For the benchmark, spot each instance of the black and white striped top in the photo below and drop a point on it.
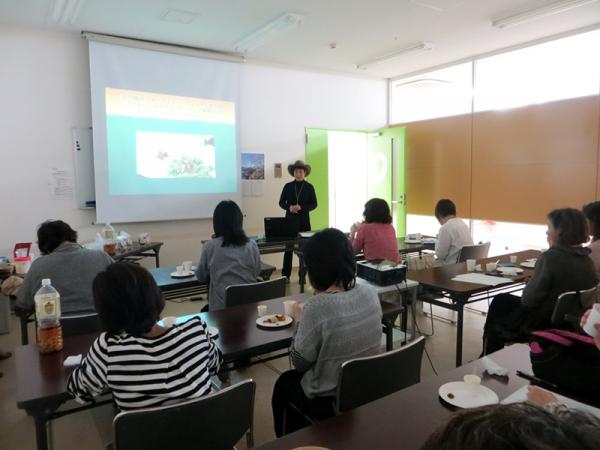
(149, 371)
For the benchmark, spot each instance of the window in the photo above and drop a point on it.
(440, 93)
(556, 70)
(507, 237)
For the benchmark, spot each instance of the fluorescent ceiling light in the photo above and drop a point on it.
(549, 9)
(269, 32)
(389, 56)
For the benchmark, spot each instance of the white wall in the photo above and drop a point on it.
(44, 92)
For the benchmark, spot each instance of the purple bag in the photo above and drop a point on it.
(568, 359)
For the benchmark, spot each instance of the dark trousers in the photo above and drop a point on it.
(288, 390)
(286, 271)
(503, 324)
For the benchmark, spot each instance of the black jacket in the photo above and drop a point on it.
(558, 270)
(300, 193)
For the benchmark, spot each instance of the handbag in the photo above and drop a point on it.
(568, 359)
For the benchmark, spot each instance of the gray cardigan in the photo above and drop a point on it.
(224, 266)
(334, 329)
(71, 269)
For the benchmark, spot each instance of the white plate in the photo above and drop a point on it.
(284, 323)
(412, 241)
(213, 331)
(529, 264)
(467, 395)
(183, 274)
(510, 271)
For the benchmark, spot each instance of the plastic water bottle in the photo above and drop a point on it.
(47, 314)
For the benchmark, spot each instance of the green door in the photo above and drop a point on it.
(318, 159)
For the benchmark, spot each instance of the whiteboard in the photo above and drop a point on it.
(84, 167)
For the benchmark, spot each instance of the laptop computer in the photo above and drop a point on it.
(277, 228)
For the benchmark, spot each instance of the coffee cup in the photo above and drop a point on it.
(179, 270)
(169, 321)
(288, 307)
(471, 265)
(513, 259)
(261, 310)
(593, 319)
(490, 267)
(187, 266)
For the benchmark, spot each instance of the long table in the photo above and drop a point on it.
(138, 251)
(406, 418)
(42, 379)
(460, 293)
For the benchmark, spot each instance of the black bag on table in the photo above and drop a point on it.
(568, 359)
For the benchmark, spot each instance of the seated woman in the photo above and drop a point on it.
(375, 237)
(71, 268)
(516, 426)
(230, 257)
(341, 322)
(453, 235)
(591, 211)
(142, 363)
(564, 267)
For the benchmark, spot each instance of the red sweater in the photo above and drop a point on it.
(376, 241)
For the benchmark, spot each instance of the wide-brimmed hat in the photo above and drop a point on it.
(299, 164)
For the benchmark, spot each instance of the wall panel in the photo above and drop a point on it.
(438, 164)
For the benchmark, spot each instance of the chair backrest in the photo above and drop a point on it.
(242, 294)
(474, 252)
(73, 325)
(217, 421)
(363, 380)
(570, 306)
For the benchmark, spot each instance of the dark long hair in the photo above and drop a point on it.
(592, 213)
(330, 260)
(228, 223)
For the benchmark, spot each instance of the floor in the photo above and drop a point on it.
(91, 429)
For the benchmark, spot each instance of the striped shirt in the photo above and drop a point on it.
(149, 371)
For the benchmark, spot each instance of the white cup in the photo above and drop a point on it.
(471, 265)
(179, 270)
(169, 321)
(187, 266)
(513, 259)
(288, 307)
(262, 310)
(593, 319)
(490, 267)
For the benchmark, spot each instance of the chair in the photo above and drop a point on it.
(242, 294)
(474, 252)
(570, 306)
(217, 421)
(363, 380)
(74, 325)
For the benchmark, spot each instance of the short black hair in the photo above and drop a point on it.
(444, 208)
(127, 299)
(570, 225)
(52, 233)
(592, 213)
(228, 223)
(329, 260)
(377, 210)
(515, 426)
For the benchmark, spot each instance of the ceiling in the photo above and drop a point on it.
(361, 30)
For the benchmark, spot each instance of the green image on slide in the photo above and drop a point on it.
(148, 156)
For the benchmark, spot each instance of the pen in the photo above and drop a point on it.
(536, 380)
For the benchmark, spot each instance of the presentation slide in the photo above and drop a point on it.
(165, 133)
(167, 144)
